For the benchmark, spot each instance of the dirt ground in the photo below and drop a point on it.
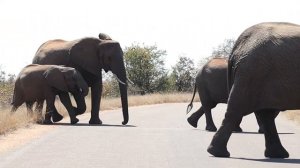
(22, 136)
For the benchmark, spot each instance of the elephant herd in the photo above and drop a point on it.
(261, 75)
(60, 67)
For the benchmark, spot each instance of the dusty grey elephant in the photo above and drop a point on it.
(263, 76)
(37, 83)
(89, 56)
(211, 83)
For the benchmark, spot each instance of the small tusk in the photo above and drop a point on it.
(130, 81)
(119, 80)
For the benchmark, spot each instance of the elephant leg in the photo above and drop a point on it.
(210, 125)
(274, 148)
(218, 145)
(49, 109)
(29, 108)
(81, 105)
(66, 101)
(38, 109)
(237, 127)
(56, 117)
(259, 123)
(96, 90)
(193, 119)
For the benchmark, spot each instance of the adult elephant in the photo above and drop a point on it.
(211, 83)
(263, 75)
(89, 56)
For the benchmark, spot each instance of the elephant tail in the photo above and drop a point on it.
(190, 106)
(230, 74)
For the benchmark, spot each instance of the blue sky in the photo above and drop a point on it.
(181, 27)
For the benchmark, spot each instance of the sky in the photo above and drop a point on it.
(189, 28)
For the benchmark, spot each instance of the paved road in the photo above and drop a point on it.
(157, 136)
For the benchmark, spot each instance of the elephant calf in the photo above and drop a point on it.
(211, 83)
(37, 83)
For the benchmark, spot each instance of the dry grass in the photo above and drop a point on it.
(10, 122)
(293, 115)
(108, 104)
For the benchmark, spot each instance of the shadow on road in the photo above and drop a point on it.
(92, 125)
(291, 161)
(280, 133)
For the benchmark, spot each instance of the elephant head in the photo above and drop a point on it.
(102, 54)
(66, 79)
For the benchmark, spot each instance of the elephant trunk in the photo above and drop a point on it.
(121, 77)
(83, 86)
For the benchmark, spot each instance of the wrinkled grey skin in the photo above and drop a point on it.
(211, 83)
(263, 76)
(89, 56)
(36, 83)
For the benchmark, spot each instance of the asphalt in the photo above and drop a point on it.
(157, 136)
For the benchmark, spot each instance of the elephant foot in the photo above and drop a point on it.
(56, 117)
(237, 129)
(78, 111)
(193, 122)
(74, 121)
(95, 121)
(47, 122)
(261, 131)
(276, 152)
(218, 151)
(211, 128)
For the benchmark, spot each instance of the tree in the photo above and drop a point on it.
(2, 76)
(224, 49)
(145, 67)
(11, 78)
(183, 74)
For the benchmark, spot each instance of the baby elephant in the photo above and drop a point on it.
(37, 83)
(211, 83)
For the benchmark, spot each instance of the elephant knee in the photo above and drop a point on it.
(80, 109)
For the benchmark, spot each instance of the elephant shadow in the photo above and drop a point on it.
(271, 160)
(245, 132)
(93, 125)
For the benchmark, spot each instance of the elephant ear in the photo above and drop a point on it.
(104, 36)
(109, 51)
(55, 78)
(84, 54)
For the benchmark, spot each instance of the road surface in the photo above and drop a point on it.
(157, 136)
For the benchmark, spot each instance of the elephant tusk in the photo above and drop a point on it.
(130, 81)
(119, 80)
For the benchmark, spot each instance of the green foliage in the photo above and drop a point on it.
(110, 86)
(145, 67)
(183, 74)
(223, 50)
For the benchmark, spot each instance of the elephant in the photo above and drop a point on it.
(263, 76)
(211, 83)
(89, 56)
(36, 83)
